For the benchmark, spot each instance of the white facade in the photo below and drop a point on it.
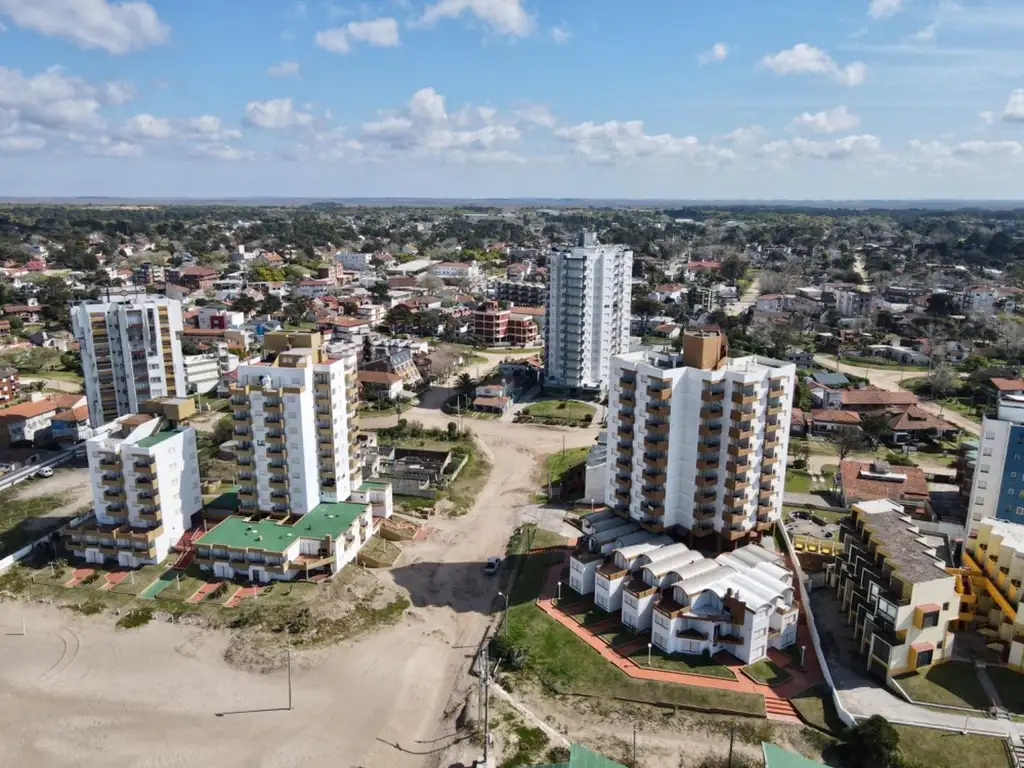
(698, 440)
(998, 548)
(131, 353)
(145, 491)
(204, 372)
(588, 311)
(356, 262)
(741, 602)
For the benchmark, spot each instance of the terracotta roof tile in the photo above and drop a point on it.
(858, 488)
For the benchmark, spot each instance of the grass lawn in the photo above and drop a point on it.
(558, 658)
(593, 615)
(798, 482)
(766, 672)
(557, 464)
(682, 662)
(140, 578)
(815, 707)
(15, 530)
(1010, 687)
(954, 684)
(62, 375)
(942, 749)
(560, 409)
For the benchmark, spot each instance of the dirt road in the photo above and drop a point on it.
(61, 385)
(891, 380)
(78, 692)
(746, 301)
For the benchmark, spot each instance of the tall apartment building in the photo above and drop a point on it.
(131, 353)
(991, 588)
(698, 440)
(304, 508)
(295, 431)
(518, 293)
(998, 486)
(895, 590)
(145, 487)
(588, 311)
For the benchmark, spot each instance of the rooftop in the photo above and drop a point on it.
(154, 440)
(862, 480)
(855, 397)
(904, 546)
(273, 536)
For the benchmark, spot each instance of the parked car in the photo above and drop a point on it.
(492, 565)
(45, 472)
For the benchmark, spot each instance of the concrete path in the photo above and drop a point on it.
(746, 301)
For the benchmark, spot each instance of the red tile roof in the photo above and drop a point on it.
(826, 416)
(35, 408)
(878, 397)
(378, 377)
(1008, 385)
(858, 488)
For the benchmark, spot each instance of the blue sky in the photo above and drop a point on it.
(736, 99)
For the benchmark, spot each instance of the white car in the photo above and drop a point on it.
(45, 472)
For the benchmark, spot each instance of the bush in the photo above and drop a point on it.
(92, 578)
(90, 608)
(140, 617)
(557, 755)
(220, 591)
(513, 655)
(899, 459)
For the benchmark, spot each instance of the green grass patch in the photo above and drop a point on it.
(766, 672)
(815, 707)
(528, 748)
(943, 749)
(21, 520)
(1009, 685)
(953, 684)
(592, 615)
(693, 664)
(557, 464)
(139, 617)
(560, 409)
(798, 482)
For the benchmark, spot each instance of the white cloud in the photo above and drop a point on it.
(987, 117)
(837, 149)
(120, 92)
(50, 99)
(884, 9)
(22, 143)
(538, 115)
(1013, 112)
(986, 148)
(425, 127)
(115, 27)
(275, 114)
(717, 52)
(207, 125)
(107, 147)
(380, 33)
(560, 35)
(505, 17)
(146, 126)
(223, 152)
(614, 141)
(803, 59)
(829, 121)
(284, 69)
(927, 34)
(744, 135)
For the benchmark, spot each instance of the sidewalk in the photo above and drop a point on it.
(777, 706)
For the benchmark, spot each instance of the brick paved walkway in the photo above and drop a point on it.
(777, 706)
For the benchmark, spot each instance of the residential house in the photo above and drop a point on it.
(894, 589)
(670, 293)
(801, 358)
(828, 421)
(865, 480)
(30, 421)
(10, 383)
(194, 278)
(29, 313)
(666, 331)
(913, 424)
(71, 425)
(455, 271)
(218, 316)
(379, 385)
(5, 331)
(516, 293)
(355, 262)
(874, 400)
(313, 288)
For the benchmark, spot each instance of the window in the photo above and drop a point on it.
(982, 485)
(924, 658)
(1020, 510)
(978, 502)
(945, 606)
(760, 633)
(990, 435)
(986, 452)
(931, 619)
(939, 646)
(984, 468)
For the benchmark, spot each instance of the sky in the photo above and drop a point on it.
(680, 99)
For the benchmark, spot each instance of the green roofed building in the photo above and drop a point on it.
(318, 543)
(777, 757)
(581, 757)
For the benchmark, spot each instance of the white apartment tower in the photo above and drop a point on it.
(997, 489)
(145, 487)
(588, 311)
(295, 430)
(131, 353)
(698, 440)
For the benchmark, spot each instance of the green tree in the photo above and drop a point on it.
(872, 743)
(270, 305)
(875, 427)
(245, 303)
(466, 383)
(645, 308)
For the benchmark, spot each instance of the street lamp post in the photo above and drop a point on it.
(649, 647)
(559, 591)
(504, 618)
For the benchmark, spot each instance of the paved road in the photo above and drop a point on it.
(891, 379)
(746, 301)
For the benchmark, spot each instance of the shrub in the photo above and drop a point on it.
(220, 591)
(92, 578)
(140, 617)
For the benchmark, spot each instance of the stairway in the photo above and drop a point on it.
(186, 546)
(780, 710)
(184, 560)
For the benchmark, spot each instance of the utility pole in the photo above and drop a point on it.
(634, 745)
(288, 651)
(487, 708)
(732, 736)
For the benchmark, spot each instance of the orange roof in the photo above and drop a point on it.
(78, 413)
(835, 417)
(857, 488)
(877, 397)
(378, 377)
(1008, 385)
(35, 408)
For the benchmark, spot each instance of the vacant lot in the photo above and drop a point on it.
(556, 465)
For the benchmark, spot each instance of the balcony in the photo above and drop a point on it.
(773, 410)
(736, 450)
(704, 513)
(625, 450)
(768, 461)
(706, 481)
(703, 464)
(659, 462)
(624, 465)
(625, 433)
(655, 478)
(708, 413)
(734, 502)
(712, 395)
(660, 411)
(659, 393)
(741, 433)
(115, 481)
(659, 444)
(142, 466)
(244, 450)
(735, 485)
(704, 497)
(709, 430)
(734, 534)
(110, 463)
(627, 398)
(744, 398)
(622, 497)
(276, 449)
(765, 493)
(739, 466)
(273, 410)
(702, 529)
(767, 477)
(657, 429)
(653, 495)
(627, 385)
(735, 518)
(626, 419)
